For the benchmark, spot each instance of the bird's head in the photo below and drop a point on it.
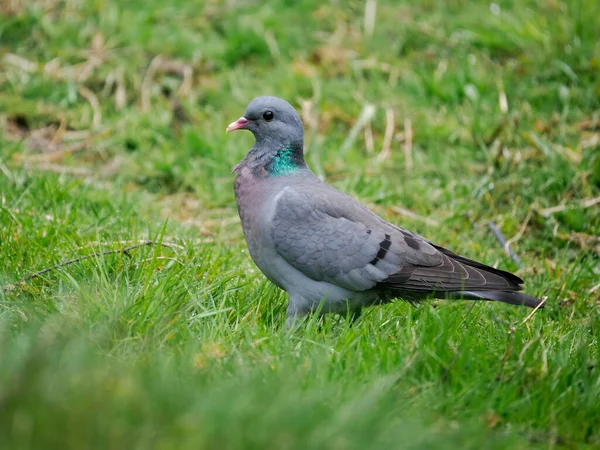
(273, 121)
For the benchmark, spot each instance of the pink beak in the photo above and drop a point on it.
(239, 124)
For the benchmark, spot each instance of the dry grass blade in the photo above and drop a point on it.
(370, 17)
(519, 234)
(585, 241)
(586, 203)
(310, 120)
(127, 242)
(94, 103)
(366, 115)
(146, 89)
(56, 151)
(124, 251)
(369, 144)
(20, 62)
(412, 215)
(568, 153)
(390, 122)
(532, 313)
(120, 91)
(160, 64)
(272, 44)
(58, 168)
(503, 101)
(408, 143)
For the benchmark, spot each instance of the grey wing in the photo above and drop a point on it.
(331, 237)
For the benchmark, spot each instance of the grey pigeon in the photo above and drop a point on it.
(329, 252)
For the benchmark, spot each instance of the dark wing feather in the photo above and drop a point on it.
(452, 275)
(469, 262)
(458, 277)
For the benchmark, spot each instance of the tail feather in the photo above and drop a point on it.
(510, 297)
(457, 277)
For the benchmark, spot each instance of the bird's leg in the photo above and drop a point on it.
(295, 314)
(355, 315)
(352, 315)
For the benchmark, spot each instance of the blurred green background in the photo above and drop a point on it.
(112, 119)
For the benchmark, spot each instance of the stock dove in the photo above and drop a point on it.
(329, 252)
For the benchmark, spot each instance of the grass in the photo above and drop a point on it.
(112, 123)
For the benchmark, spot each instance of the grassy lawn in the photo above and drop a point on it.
(112, 119)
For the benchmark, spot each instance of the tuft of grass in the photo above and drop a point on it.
(112, 118)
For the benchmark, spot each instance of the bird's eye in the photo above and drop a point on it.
(268, 115)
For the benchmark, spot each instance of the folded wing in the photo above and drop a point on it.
(331, 237)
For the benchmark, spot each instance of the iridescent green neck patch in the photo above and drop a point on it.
(284, 163)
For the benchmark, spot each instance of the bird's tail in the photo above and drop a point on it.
(511, 297)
